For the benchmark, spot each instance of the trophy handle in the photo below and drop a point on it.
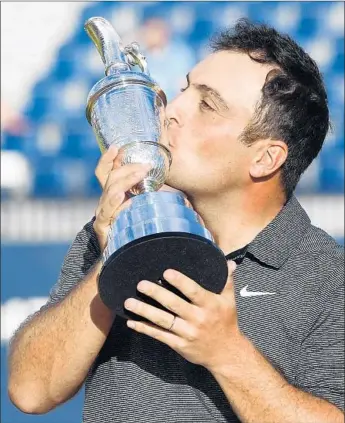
(108, 44)
(135, 57)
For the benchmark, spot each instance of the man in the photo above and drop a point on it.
(269, 348)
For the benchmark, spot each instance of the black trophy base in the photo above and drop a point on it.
(148, 257)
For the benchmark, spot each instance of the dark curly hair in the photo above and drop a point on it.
(293, 105)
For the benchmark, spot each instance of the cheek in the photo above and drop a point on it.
(223, 155)
(220, 138)
(214, 140)
(208, 141)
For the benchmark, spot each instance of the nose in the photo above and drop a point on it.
(172, 113)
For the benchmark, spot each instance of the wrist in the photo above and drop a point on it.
(101, 234)
(234, 361)
(97, 305)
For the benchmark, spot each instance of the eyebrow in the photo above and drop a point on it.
(209, 90)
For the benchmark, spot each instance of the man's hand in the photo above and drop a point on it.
(115, 181)
(206, 332)
(203, 332)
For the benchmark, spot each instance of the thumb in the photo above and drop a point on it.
(229, 286)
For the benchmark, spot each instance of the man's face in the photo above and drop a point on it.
(206, 120)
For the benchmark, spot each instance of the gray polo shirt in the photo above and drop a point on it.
(299, 328)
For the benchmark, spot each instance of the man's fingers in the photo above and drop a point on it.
(123, 173)
(191, 289)
(167, 299)
(117, 163)
(119, 181)
(114, 194)
(126, 176)
(106, 164)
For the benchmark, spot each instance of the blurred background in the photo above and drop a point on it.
(48, 151)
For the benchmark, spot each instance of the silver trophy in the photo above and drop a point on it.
(159, 230)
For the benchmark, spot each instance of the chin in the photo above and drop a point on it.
(177, 185)
(177, 179)
(170, 182)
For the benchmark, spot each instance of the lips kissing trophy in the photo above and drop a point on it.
(159, 230)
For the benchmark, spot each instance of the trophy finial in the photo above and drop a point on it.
(108, 44)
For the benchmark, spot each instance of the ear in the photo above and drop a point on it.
(271, 154)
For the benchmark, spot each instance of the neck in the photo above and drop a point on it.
(234, 219)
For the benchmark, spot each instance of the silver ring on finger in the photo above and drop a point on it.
(172, 323)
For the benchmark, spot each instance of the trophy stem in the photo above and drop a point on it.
(147, 185)
(154, 153)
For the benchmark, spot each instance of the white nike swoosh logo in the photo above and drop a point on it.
(245, 293)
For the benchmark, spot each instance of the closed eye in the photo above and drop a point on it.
(205, 106)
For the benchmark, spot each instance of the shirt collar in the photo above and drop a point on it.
(238, 255)
(275, 243)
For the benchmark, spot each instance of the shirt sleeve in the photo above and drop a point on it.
(321, 365)
(81, 256)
